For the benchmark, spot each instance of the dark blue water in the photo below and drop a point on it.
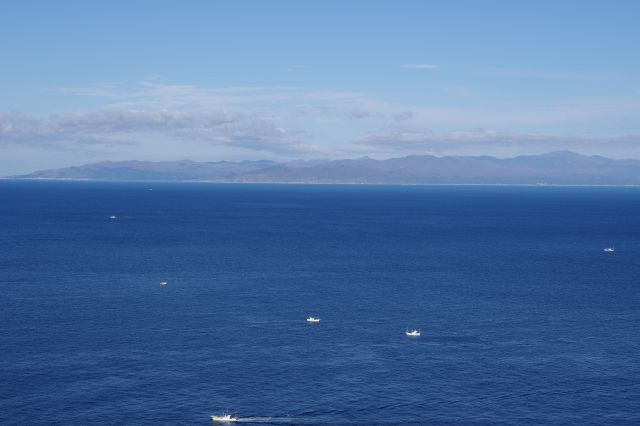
(525, 320)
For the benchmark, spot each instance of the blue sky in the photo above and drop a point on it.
(85, 81)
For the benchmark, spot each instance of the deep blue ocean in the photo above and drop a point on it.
(524, 318)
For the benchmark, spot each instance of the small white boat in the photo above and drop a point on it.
(225, 418)
(412, 333)
(163, 283)
(609, 249)
(112, 216)
(313, 320)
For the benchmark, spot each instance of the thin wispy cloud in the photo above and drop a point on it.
(277, 102)
(299, 122)
(523, 73)
(543, 74)
(420, 66)
(404, 115)
(115, 127)
(154, 94)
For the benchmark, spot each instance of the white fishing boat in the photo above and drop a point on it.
(163, 283)
(313, 320)
(225, 418)
(609, 249)
(412, 333)
(112, 216)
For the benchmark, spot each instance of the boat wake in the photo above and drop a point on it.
(269, 420)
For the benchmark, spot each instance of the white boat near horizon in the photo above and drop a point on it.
(225, 418)
(609, 249)
(113, 216)
(313, 320)
(413, 333)
(163, 283)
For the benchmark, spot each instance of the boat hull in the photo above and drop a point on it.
(223, 419)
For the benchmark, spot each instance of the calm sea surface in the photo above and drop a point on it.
(524, 318)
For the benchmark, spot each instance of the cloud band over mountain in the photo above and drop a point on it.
(114, 127)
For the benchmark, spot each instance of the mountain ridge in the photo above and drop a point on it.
(558, 167)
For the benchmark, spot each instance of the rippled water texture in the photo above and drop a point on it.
(524, 318)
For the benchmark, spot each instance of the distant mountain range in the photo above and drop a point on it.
(559, 168)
